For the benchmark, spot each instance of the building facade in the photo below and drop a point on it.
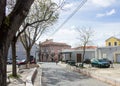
(77, 53)
(110, 52)
(49, 50)
(21, 53)
(112, 41)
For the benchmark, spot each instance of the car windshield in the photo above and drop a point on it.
(101, 60)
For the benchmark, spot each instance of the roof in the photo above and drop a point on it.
(50, 42)
(112, 37)
(87, 47)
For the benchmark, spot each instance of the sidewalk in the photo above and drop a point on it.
(21, 81)
(37, 81)
(108, 75)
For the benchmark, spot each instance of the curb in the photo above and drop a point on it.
(31, 77)
(108, 80)
(40, 74)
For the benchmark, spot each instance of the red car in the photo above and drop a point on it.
(20, 62)
(23, 61)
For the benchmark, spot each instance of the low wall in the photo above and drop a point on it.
(31, 77)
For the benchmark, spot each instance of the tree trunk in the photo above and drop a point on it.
(8, 27)
(4, 46)
(14, 69)
(28, 58)
(2, 10)
(3, 68)
(83, 55)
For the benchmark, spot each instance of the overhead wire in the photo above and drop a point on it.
(80, 5)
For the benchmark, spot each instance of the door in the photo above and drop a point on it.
(79, 58)
(118, 58)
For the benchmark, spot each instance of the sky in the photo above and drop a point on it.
(100, 15)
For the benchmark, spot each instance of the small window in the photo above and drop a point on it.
(109, 43)
(104, 55)
(115, 43)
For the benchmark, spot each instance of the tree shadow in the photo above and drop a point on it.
(16, 81)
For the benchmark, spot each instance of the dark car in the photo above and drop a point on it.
(32, 59)
(99, 63)
(87, 61)
(108, 60)
(71, 62)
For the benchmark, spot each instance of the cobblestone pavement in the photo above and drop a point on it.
(113, 72)
(55, 75)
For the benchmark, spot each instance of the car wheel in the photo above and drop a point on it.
(92, 65)
(108, 66)
(100, 66)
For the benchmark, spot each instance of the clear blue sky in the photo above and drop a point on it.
(103, 16)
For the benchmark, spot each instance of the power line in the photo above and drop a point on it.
(80, 5)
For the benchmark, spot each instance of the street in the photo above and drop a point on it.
(55, 75)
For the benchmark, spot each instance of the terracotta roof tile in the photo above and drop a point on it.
(50, 42)
(87, 47)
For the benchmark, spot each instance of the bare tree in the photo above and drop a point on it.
(48, 12)
(9, 25)
(38, 14)
(85, 35)
(35, 18)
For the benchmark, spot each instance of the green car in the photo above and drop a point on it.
(100, 63)
(71, 62)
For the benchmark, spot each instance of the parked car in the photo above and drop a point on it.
(71, 62)
(99, 63)
(67, 61)
(9, 60)
(21, 62)
(32, 59)
(87, 61)
(108, 60)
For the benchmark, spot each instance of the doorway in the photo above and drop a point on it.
(79, 58)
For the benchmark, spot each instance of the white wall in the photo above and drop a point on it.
(20, 51)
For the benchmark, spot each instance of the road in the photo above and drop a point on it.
(55, 75)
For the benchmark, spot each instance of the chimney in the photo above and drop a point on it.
(49, 40)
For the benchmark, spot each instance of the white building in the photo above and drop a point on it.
(76, 55)
(112, 53)
(21, 53)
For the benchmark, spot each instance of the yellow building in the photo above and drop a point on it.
(112, 41)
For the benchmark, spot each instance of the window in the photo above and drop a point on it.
(115, 43)
(109, 44)
(104, 55)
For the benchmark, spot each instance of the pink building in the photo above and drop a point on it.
(49, 50)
